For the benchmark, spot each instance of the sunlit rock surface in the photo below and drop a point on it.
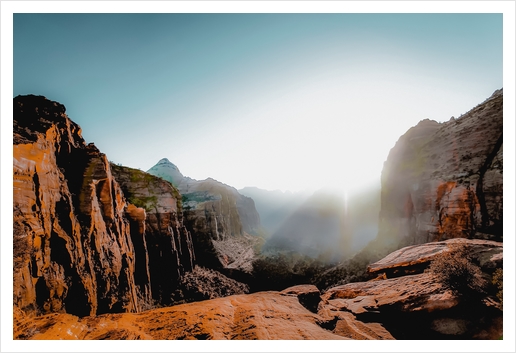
(415, 259)
(414, 306)
(443, 181)
(264, 315)
(91, 237)
(72, 246)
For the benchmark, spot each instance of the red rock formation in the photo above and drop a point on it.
(443, 181)
(416, 258)
(73, 251)
(264, 315)
(91, 237)
(415, 306)
(225, 223)
(162, 242)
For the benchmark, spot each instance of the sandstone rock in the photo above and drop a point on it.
(203, 283)
(443, 181)
(165, 243)
(72, 250)
(225, 223)
(415, 259)
(309, 295)
(418, 306)
(263, 315)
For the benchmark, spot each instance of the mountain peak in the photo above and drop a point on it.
(164, 161)
(167, 170)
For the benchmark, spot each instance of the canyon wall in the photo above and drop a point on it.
(159, 234)
(225, 223)
(445, 180)
(92, 237)
(72, 246)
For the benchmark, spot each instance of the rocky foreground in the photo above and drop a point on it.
(403, 302)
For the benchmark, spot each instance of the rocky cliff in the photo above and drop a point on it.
(412, 304)
(445, 180)
(91, 237)
(158, 232)
(73, 249)
(225, 223)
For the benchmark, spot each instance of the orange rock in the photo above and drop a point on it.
(445, 180)
(264, 315)
(72, 248)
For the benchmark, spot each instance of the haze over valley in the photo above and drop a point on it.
(259, 176)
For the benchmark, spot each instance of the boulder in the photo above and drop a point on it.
(308, 295)
(415, 259)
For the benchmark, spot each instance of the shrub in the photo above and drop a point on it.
(455, 271)
(498, 282)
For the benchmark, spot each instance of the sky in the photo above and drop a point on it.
(276, 101)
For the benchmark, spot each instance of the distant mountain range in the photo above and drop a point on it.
(226, 222)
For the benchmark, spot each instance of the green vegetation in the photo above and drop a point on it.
(498, 282)
(197, 197)
(282, 270)
(148, 203)
(455, 271)
(145, 180)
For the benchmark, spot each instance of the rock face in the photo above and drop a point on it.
(414, 304)
(443, 181)
(91, 237)
(72, 245)
(224, 222)
(163, 241)
(409, 306)
(264, 315)
(415, 259)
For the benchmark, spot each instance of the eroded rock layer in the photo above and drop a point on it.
(164, 243)
(443, 181)
(72, 246)
(225, 223)
(410, 306)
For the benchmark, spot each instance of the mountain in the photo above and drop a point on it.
(225, 223)
(91, 237)
(445, 180)
(157, 219)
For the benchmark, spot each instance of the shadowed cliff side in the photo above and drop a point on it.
(72, 246)
(167, 246)
(440, 181)
(225, 223)
(91, 237)
(443, 181)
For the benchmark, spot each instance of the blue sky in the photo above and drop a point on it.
(278, 101)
